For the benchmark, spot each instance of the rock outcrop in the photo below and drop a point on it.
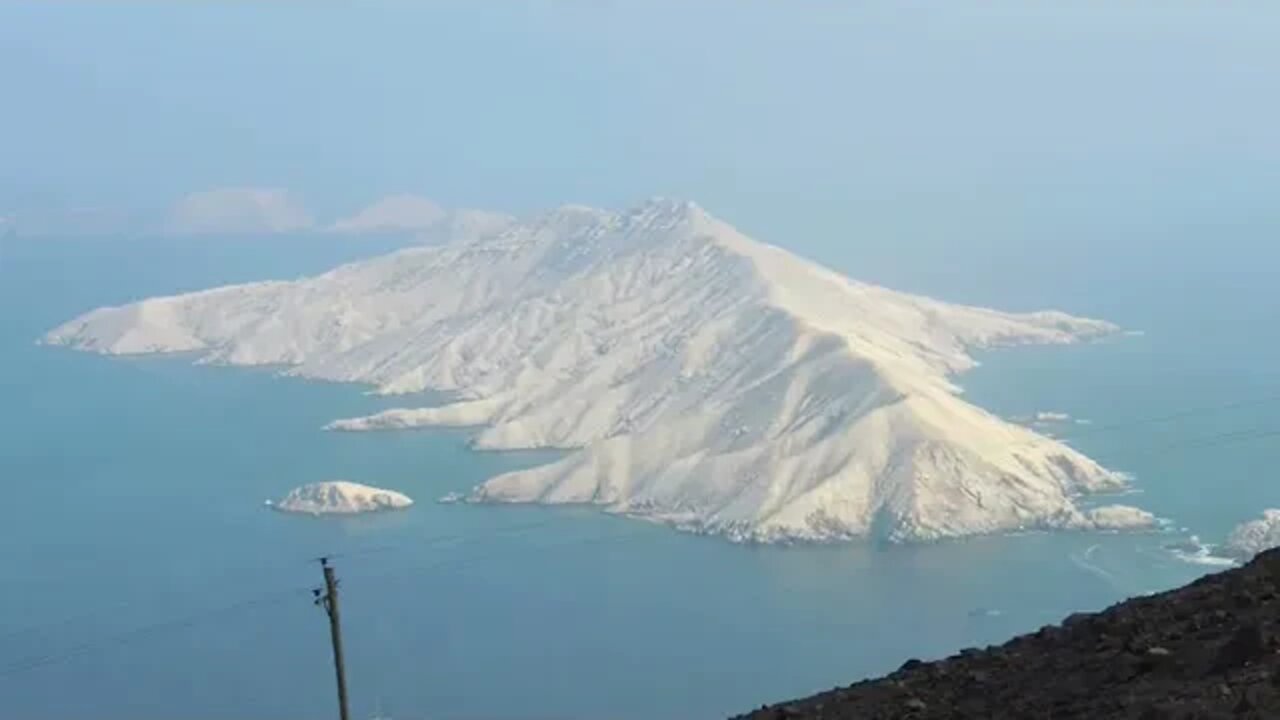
(338, 497)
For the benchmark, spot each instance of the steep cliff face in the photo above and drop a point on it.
(1208, 650)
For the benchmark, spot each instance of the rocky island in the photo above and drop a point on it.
(338, 497)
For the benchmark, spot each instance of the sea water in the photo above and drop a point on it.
(142, 577)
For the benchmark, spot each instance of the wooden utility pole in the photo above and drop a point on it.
(329, 601)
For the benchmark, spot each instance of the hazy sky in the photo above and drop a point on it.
(856, 131)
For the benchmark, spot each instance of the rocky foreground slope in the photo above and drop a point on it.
(1208, 650)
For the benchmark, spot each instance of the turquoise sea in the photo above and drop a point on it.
(141, 577)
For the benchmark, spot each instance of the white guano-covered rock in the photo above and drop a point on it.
(700, 378)
(1121, 517)
(339, 497)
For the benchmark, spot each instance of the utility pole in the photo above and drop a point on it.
(329, 601)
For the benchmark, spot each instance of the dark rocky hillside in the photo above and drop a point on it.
(1208, 650)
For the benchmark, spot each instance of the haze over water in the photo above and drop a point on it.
(138, 484)
(1118, 163)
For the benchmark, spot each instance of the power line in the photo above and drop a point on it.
(329, 596)
(146, 631)
(1092, 430)
(277, 597)
(1171, 417)
(435, 540)
(430, 542)
(594, 539)
(1194, 442)
(60, 623)
(1228, 438)
(1199, 442)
